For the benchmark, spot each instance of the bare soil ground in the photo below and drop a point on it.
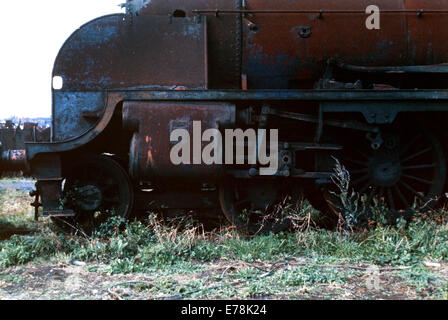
(66, 281)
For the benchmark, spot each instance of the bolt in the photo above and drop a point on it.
(253, 27)
(253, 172)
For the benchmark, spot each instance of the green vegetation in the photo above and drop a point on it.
(135, 246)
(182, 260)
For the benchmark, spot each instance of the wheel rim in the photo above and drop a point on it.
(256, 206)
(97, 188)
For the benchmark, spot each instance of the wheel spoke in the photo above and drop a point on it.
(371, 194)
(417, 179)
(361, 163)
(391, 199)
(363, 189)
(409, 144)
(363, 154)
(352, 172)
(421, 166)
(363, 178)
(412, 190)
(401, 196)
(415, 155)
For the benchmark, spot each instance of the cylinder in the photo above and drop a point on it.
(152, 145)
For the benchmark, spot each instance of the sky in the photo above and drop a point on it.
(32, 32)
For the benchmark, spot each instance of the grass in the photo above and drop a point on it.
(138, 247)
(181, 260)
(16, 212)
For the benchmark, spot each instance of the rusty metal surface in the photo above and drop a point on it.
(143, 52)
(268, 95)
(68, 110)
(427, 35)
(276, 56)
(116, 51)
(155, 66)
(49, 191)
(224, 35)
(321, 12)
(154, 121)
(115, 97)
(437, 68)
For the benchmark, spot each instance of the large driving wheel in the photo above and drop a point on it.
(95, 188)
(407, 172)
(257, 206)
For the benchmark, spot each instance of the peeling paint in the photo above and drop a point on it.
(149, 159)
(136, 5)
(107, 54)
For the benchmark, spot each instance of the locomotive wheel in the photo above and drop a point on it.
(407, 173)
(95, 188)
(255, 206)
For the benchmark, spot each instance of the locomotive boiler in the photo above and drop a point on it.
(374, 98)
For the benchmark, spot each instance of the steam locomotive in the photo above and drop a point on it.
(375, 98)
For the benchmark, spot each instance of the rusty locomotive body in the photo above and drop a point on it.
(376, 99)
